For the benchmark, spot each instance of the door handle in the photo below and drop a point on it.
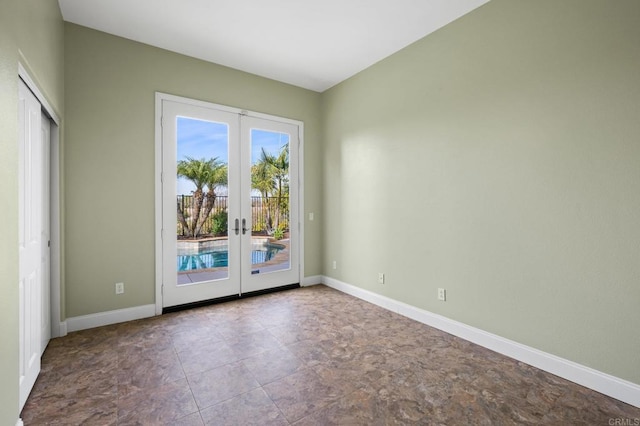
(244, 226)
(237, 228)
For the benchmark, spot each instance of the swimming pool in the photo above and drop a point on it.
(218, 257)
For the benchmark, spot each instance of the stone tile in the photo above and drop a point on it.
(66, 361)
(80, 383)
(251, 408)
(186, 321)
(226, 312)
(197, 334)
(310, 352)
(344, 377)
(87, 339)
(250, 344)
(72, 407)
(148, 332)
(302, 393)
(191, 420)
(222, 383)
(407, 398)
(238, 327)
(295, 332)
(148, 370)
(274, 317)
(203, 357)
(322, 357)
(357, 408)
(329, 347)
(160, 405)
(272, 365)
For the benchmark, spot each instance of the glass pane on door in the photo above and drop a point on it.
(202, 200)
(270, 213)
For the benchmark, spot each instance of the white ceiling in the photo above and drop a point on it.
(314, 44)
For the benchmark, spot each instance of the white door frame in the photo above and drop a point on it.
(58, 328)
(159, 178)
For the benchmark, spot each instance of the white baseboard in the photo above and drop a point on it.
(19, 423)
(62, 329)
(110, 317)
(612, 386)
(312, 280)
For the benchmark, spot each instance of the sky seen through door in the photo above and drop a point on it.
(209, 139)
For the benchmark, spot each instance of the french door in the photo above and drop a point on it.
(229, 214)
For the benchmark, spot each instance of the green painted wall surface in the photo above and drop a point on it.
(31, 31)
(499, 158)
(110, 86)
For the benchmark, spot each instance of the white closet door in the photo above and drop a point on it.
(30, 206)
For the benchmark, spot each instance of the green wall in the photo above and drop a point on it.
(110, 86)
(499, 158)
(31, 31)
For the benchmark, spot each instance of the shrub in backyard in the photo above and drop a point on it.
(220, 223)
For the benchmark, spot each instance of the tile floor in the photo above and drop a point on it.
(310, 356)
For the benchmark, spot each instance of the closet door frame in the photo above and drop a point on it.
(52, 323)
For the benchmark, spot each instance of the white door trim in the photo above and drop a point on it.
(158, 178)
(24, 75)
(57, 326)
(45, 260)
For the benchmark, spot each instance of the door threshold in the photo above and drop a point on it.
(224, 299)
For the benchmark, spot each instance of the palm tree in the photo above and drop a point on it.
(199, 172)
(217, 178)
(280, 172)
(262, 181)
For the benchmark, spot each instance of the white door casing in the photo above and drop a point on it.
(45, 266)
(241, 278)
(52, 192)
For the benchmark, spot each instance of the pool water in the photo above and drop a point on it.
(218, 257)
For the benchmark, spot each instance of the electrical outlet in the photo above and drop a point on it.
(311, 216)
(335, 265)
(119, 288)
(442, 294)
(381, 277)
